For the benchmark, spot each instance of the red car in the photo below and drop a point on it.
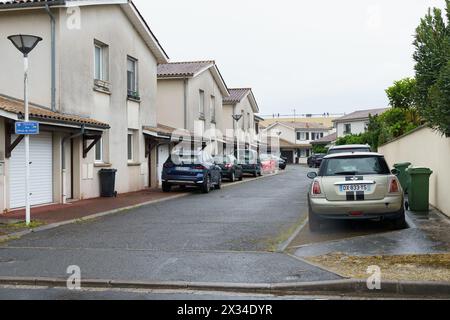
(269, 164)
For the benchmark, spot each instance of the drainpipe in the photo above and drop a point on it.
(185, 103)
(63, 162)
(53, 58)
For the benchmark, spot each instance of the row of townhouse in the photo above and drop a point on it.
(106, 96)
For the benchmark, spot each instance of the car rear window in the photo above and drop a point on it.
(354, 166)
(334, 151)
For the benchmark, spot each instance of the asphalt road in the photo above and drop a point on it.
(225, 236)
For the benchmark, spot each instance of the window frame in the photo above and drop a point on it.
(201, 103)
(212, 108)
(349, 125)
(130, 146)
(133, 92)
(97, 145)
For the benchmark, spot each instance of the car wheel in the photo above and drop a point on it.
(166, 187)
(400, 222)
(233, 177)
(219, 184)
(241, 177)
(206, 187)
(314, 221)
(255, 174)
(260, 173)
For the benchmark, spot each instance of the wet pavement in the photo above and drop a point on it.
(224, 236)
(427, 234)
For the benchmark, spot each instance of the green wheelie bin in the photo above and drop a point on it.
(419, 189)
(403, 176)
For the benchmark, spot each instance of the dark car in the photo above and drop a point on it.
(231, 170)
(315, 160)
(250, 162)
(281, 163)
(318, 160)
(191, 169)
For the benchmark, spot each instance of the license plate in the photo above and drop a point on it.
(182, 168)
(354, 188)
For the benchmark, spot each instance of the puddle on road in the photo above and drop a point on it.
(341, 229)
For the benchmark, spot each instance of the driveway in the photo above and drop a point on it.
(225, 236)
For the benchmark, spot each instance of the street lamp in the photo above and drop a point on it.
(25, 44)
(236, 118)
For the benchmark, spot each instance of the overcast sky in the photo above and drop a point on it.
(312, 56)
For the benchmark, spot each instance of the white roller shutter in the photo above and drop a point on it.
(41, 171)
(163, 155)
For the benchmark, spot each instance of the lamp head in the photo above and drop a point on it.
(24, 43)
(237, 117)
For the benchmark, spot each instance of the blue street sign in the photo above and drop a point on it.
(27, 127)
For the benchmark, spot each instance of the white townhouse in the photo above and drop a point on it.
(355, 122)
(92, 86)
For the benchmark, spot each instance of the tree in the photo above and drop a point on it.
(432, 56)
(402, 94)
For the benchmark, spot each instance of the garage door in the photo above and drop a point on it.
(163, 155)
(41, 177)
(289, 155)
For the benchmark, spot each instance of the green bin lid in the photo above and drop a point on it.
(402, 164)
(419, 170)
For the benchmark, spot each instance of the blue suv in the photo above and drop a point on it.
(191, 169)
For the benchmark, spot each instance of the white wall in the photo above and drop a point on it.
(356, 126)
(424, 147)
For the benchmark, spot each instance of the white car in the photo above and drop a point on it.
(355, 186)
(349, 148)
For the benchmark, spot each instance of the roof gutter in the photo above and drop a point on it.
(53, 58)
(30, 5)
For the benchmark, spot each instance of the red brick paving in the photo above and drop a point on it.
(79, 209)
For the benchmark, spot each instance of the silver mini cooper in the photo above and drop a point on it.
(355, 186)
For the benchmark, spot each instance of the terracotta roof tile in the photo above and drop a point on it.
(327, 139)
(236, 95)
(361, 114)
(38, 113)
(182, 69)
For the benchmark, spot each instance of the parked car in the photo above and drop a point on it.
(355, 186)
(349, 148)
(250, 162)
(281, 163)
(231, 170)
(315, 160)
(191, 169)
(269, 164)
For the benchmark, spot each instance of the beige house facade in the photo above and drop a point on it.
(92, 118)
(189, 98)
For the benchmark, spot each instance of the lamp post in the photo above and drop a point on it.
(236, 118)
(25, 44)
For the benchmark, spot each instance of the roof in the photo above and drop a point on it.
(350, 146)
(300, 125)
(17, 108)
(361, 114)
(327, 139)
(286, 144)
(238, 94)
(191, 69)
(160, 130)
(127, 6)
(326, 121)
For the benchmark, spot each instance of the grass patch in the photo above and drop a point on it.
(427, 267)
(23, 225)
(273, 244)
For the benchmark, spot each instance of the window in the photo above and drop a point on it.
(347, 128)
(243, 120)
(307, 136)
(132, 78)
(99, 151)
(201, 104)
(100, 61)
(354, 165)
(321, 135)
(366, 127)
(130, 143)
(212, 108)
(249, 124)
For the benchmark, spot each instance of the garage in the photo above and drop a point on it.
(288, 155)
(41, 175)
(163, 155)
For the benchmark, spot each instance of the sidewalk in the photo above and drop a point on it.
(12, 222)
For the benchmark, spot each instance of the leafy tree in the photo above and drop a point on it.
(432, 56)
(319, 148)
(403, 93)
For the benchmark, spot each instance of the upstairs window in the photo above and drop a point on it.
(212, 108)
(132, 78)
(347, 128)
(201, 104)
(100, 61)
(130, 146)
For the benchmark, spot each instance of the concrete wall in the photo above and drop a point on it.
(424, 147)
(170, 103)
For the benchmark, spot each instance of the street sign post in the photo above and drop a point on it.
(27, 128)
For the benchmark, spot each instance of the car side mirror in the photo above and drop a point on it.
(312, 175)
(395, 172)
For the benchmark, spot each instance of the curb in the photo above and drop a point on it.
(114, 211)
(339, 287)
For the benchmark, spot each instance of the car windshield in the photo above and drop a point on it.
(354, 166)
(334, 151)
(224, 159)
